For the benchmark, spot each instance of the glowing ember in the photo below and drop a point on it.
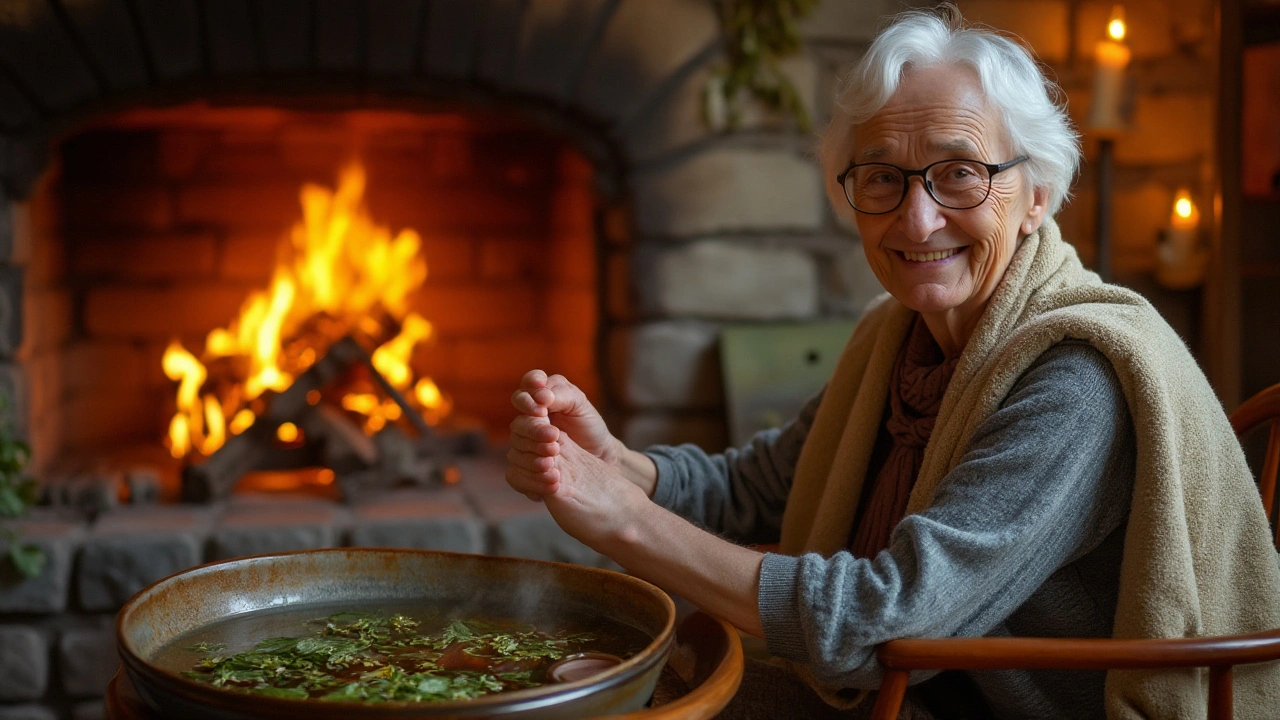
(338, 274)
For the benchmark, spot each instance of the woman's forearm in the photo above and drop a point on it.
(719, 577)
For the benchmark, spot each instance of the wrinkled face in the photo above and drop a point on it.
(934, 259)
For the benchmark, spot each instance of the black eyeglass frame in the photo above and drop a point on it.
(992, 171)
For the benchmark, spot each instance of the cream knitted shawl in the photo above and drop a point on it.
(1198, 559)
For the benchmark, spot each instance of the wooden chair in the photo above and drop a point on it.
(1219, 654)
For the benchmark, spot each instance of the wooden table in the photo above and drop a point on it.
(701, 675)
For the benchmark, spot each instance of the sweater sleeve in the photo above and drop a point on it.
(741, 492)
(1046, 478)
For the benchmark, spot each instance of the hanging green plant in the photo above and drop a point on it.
(17, 493)
(758, 33)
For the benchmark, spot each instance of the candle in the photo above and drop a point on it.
(1180, 260)
(1111, 57)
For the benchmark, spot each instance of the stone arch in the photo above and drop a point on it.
(623, 78)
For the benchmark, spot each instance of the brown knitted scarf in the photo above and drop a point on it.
(920, 376)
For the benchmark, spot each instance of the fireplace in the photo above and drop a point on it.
(463, 241)
(574, 212)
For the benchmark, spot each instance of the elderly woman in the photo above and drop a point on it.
(1007, 447)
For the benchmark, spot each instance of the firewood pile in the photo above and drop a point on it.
(329, 437)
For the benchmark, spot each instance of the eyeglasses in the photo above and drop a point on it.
(878, 188)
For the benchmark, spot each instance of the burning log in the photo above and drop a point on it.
(359, 462)
(214, 478)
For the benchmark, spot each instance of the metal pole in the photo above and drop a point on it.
(1102, 228)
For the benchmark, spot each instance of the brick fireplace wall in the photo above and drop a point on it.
(170, 219)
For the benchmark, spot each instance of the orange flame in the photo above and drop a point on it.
(337, 264)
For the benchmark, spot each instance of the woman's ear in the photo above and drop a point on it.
(1034, 218)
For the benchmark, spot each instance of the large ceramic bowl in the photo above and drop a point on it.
(372, 578)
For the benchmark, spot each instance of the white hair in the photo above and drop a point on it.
(1037, 124)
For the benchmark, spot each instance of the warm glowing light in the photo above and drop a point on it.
(287, 432)
(1115, 27)
(338, 273)
(1185, 214)
(242, 421)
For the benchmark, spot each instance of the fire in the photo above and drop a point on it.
(338, 273)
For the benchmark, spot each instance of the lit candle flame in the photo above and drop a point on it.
(1115, 28)
(1185, 214)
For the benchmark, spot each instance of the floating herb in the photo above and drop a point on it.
(371, 658)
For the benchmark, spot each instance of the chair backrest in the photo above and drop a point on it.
(1219, 654)
(1257, 410)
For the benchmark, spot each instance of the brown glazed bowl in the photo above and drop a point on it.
(373, 577)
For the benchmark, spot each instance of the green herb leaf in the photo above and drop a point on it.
(29, 559)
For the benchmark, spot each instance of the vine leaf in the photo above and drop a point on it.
(29, 559)
(758, 33)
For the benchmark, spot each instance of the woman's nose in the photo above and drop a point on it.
(921, 214)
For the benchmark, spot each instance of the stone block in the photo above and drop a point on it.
(739, 280)
(24, 663)
(172, 34)
(730, 189)
(848, 281)
(132, 547)
(107, 33)
(230, 28)
(436, 519)
(850, 21)
(707, 430)
(11, 310)
(526, 530)
(453, 30)
(643, 45)
(49, 591)
(87, 658)
(553, 41)
(89, 710)
(671, 364)
(15, 393)
(27, 712)
(41, 54)
(275, 528)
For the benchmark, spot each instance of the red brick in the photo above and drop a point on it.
(168, 257)
(619, 223)
(576, 360)
(571, 312)
(502, 360)
(512, 258)
(127, 207)
(150, 313)
(620, 296)
(488, 404)
(46, 319)
(241, 205)
(459, 208)
(449, 257)
(113, 415)
(182, 152)
(250, 256)
(573, 167)
(573, 211)
(316, 149)
(44, 383)
(457, 309)
(571, 259)
(88, 365)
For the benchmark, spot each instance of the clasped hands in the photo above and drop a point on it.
(563, 454)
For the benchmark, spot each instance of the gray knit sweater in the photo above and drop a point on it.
(1024, 538)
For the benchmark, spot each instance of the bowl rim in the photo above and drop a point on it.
(508, 701)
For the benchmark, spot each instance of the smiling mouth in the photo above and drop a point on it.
(929, 256)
